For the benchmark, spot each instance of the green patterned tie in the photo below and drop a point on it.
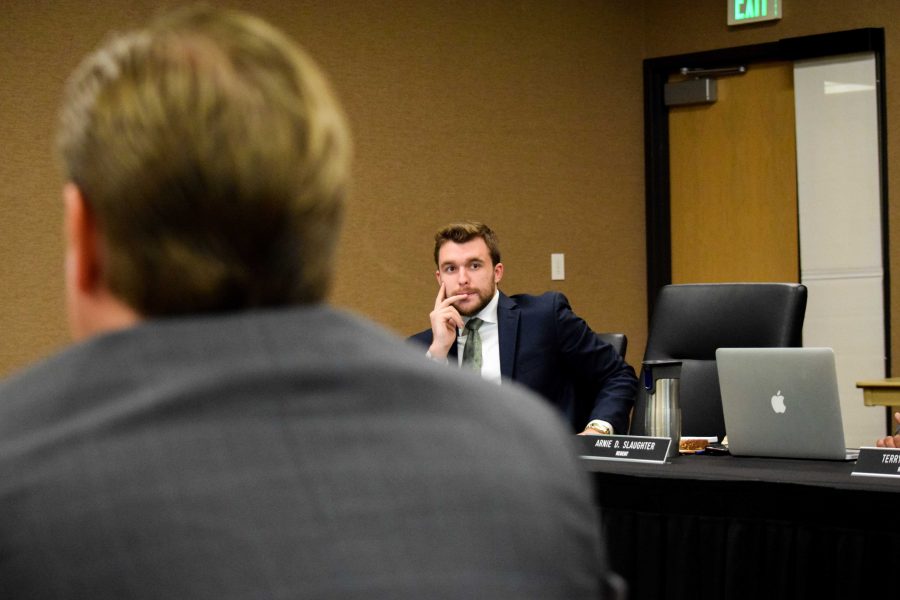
(472, 351)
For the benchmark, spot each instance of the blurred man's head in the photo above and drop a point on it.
(208, 161)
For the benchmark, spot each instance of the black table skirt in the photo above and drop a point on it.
(726, 527)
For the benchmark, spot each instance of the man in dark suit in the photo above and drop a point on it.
(217, 431)
(535, 340)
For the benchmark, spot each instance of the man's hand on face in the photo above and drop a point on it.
(445, 319)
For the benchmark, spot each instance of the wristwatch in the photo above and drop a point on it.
(599, 426)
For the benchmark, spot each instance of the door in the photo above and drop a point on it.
(734, 183)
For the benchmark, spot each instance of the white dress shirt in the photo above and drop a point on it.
(490, 340)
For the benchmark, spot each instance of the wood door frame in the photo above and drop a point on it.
(656, 138)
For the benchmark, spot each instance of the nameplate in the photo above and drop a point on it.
(878, 462)
(633, 448)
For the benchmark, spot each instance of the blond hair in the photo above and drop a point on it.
(215, 160)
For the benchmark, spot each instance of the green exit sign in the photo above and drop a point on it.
(741, 12)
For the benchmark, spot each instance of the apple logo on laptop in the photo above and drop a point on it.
(778, 403)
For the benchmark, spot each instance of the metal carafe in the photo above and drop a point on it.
(662, 415)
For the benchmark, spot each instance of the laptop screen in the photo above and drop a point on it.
(781, 402)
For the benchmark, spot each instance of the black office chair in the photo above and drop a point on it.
(691, 321)
(619, 341)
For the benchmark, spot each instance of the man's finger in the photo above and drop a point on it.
(452, 300)
(441, 296)
(450, 315)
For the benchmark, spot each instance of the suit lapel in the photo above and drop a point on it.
(508, 330)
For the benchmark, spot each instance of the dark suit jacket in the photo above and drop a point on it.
(547, 347)
(295, 453)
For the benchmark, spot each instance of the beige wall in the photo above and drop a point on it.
(524, 114)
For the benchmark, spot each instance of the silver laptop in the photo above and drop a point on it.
(782, 402)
